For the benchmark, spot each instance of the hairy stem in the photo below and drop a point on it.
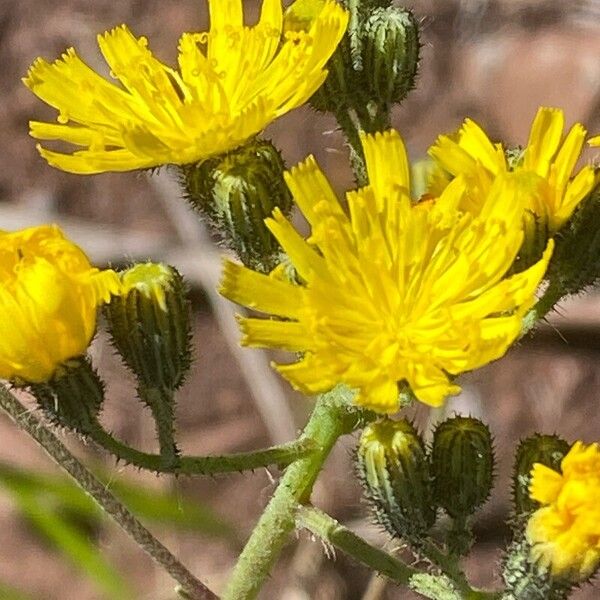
(160, 401)
(281, 455)
(449, 565)
(192, 587)
(329, 530)
(351, 129)
(327, 423)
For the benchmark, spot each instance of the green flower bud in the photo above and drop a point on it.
(236, 192)
(548, 450)
(462, 461)
(525, 580)
(150, 325)
(393, 468)
(73, 397)
(390, 54)
(575, 263)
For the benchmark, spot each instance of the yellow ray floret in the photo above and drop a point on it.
(391, 291)
(232, 81)
(565, 531)
(49, 296)
(546, 165)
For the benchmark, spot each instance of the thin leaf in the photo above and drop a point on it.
(77, 547)
(8, 592)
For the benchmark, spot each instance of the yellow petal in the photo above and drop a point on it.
(260, 292)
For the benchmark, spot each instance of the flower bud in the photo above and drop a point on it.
(462, 461)
(73, 397)
(236, 192)
(564, 533)
(150, 325)
(390, 54)
(548, 450)
(524, 579)
(50, 299)
(393, 468)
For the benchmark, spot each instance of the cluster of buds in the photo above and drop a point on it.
(406, 485)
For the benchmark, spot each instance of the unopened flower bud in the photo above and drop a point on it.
(72, 397)
(390, 54)
(393, 467)
(462, 462)
(150, 325)
(547, 450)
(236, 192)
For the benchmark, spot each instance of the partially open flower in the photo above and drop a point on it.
(49, 295)
(231, 83)
(393, 292)
(545, 166)
(565, 531)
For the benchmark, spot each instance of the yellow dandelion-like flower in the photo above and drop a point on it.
(49, 295)
(565, 531)
(545, 165)
(231, 83)
(393, 291)
(595, 141)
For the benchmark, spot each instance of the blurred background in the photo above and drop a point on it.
(493, 60)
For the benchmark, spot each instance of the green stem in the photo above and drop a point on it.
(327, 423)
(351, 130)
(450, 566)
(329, 530)
(161, 403)
(194, 589)
(282, 455)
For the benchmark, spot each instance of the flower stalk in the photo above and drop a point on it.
(193, 588)
(331, 418)
(333, 532)
(281, 455)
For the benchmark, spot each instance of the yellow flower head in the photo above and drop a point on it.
(565, 531)
(545, 165)
(391, 292)
(49, 294)
(231, 83)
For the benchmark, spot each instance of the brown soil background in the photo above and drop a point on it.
(495, 61)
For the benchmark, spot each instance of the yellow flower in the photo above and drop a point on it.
(231, 83)
(565, 532)
(595, 141)
(545, 165)
(393, 292)
(49, 294)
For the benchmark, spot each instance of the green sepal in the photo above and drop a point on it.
(236, 192)
(150, 325)
(548, 450)
(575, 263)
(392, 466)
(462, 465)
(73, 397)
